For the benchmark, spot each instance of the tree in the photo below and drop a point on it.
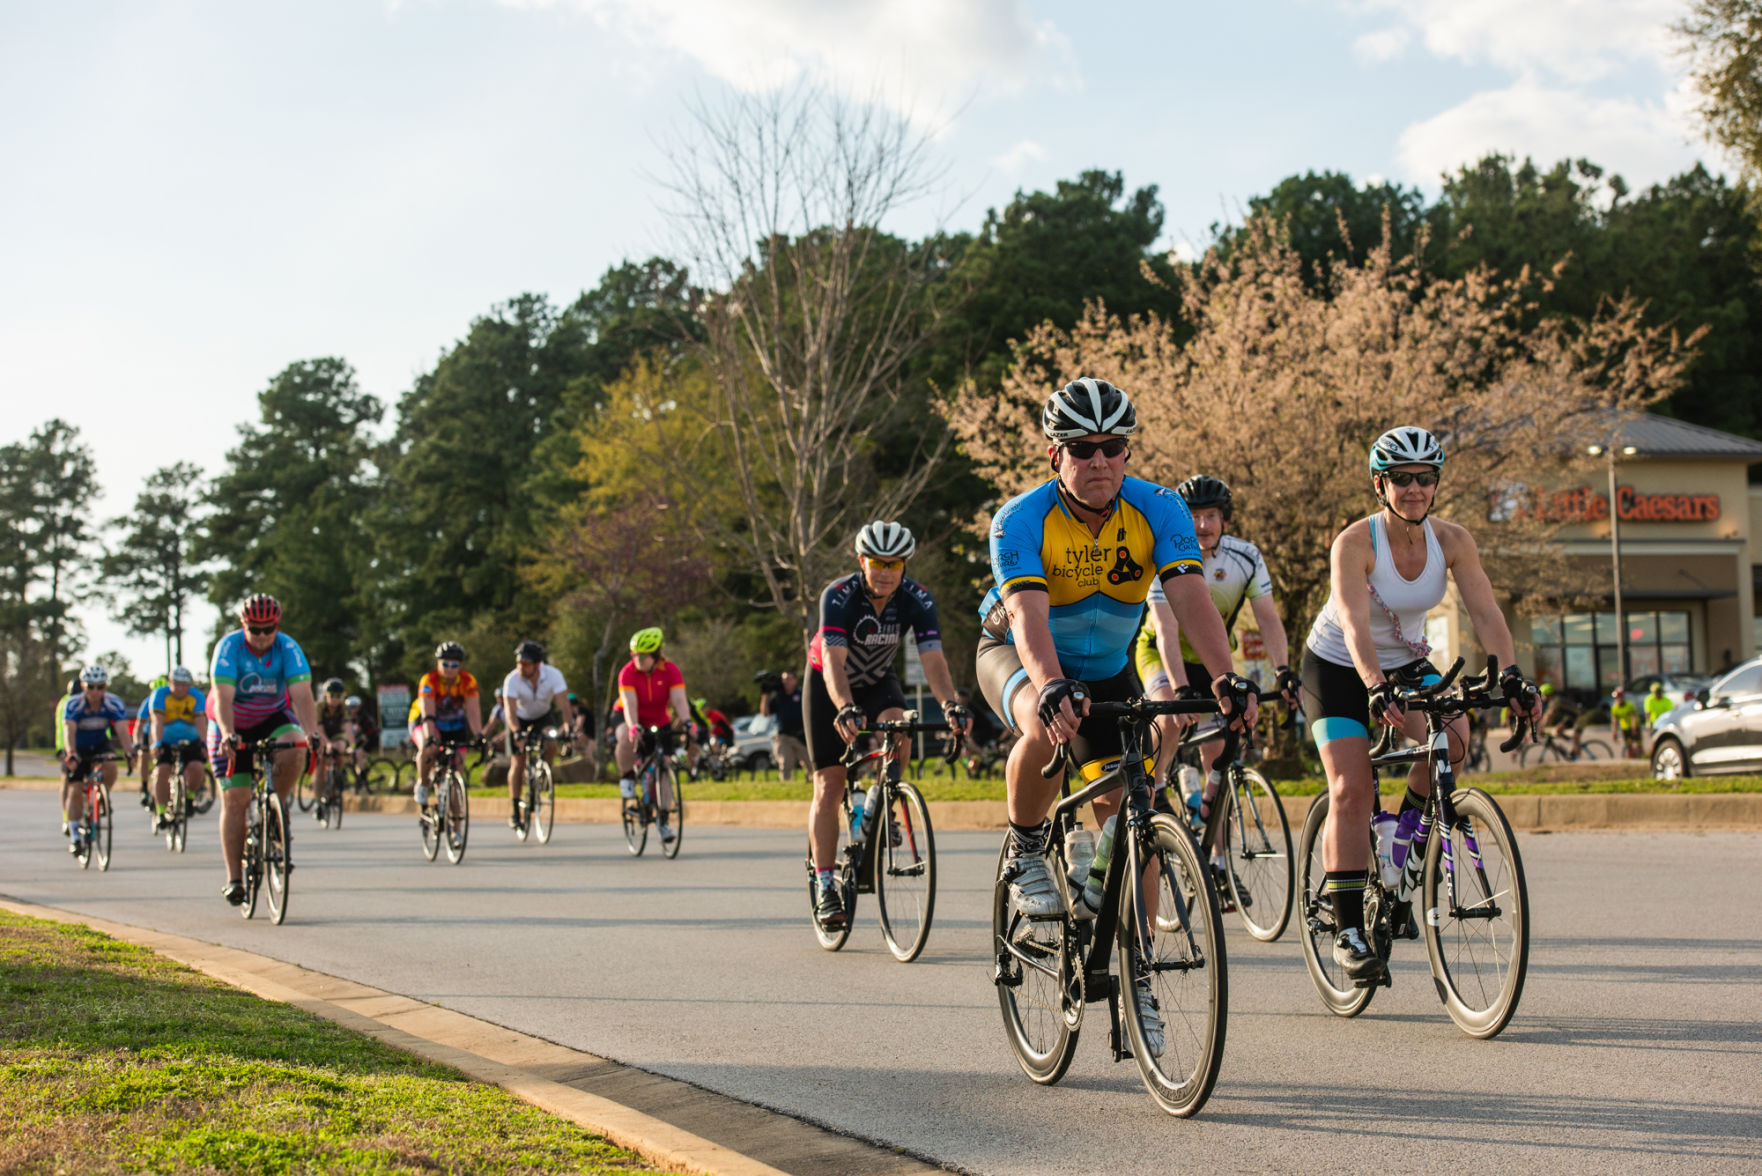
(290, 509)
(154, 573)
(29, 683)
(1280, 391)
(1328, 217)
(55, 478)
(1723, 40)
(815, 317)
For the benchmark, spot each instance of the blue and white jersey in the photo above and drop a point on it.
(260, 684)
(91, 723)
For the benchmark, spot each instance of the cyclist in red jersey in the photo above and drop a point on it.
(651, 688)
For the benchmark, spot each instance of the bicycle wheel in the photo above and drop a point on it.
(844, 876)
(1595, 749)
(1477, 923)
(432, 819)
(636, 829)
(1538, 753)
(304, 793)
(458, 812)
(1336, 989)
(380, 776)
(1186, 970)
(1261, 869)
(176, 810)
(104, 821)
(1039, 983)
(673, 815)
(542, 802)
(905, 872)
(253, 857)
(278, 865)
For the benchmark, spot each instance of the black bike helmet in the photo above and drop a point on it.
(530, 651)
(1203, 490)
(449, 651)
(333, 686)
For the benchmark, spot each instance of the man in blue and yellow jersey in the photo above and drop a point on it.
(1074, 559)
(178, 731)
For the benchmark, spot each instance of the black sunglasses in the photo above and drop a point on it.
(1084, 450)
(260, 630)
(1404, 479)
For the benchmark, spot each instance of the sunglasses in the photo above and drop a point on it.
(451, 665)
(260, 630)
(884, 565)
(1404, 479)
(1084, 450)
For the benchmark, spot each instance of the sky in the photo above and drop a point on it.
(198, 193)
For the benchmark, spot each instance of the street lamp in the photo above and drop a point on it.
(1610, 451)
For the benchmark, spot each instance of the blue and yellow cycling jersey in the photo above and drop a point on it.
(179, 713)
(1095, 584)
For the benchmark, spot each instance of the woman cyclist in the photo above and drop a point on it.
(1387, 572)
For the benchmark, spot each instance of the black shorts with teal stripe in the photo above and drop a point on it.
(1336, 702)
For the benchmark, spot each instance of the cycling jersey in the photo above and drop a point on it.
(848, 619)
(91, 721)
(332, 720)
(178, 715)
(1235, 573)
(1095, 585)
(1626, 715)
(652, 690)
(449, 697)
(534, 700)
(260, 683)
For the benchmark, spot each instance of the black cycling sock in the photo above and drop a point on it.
(1028, 838)
(1413, 802)
(1346, 888)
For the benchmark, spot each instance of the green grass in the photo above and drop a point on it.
(114, 1059)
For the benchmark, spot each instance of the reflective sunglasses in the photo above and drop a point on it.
(1404, 479)
(884, 565)
(261, 630)
(451, 665)
(1084, 450)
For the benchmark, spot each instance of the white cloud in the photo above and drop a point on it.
(1019, 156)
(1644, 141)
(1382, 45)
(924, 56)
(1576, 40)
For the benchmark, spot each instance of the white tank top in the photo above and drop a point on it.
(1398, 606)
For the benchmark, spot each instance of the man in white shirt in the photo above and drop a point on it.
(536, 696)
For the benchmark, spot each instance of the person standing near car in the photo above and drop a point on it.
(789, 747)
(1624, 723)
(1657, 705)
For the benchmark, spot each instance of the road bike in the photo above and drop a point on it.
(331, 780)
(180, 805)
(1158, 912)
(92, 836)
(1550, 746)
(446, 818)
(535, 813)
(1248, 821)
(886, 845)
(658, 799)
(1470, 881)
(269, 842)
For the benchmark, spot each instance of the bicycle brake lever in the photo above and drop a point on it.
(1056, 764)
(1518, 735)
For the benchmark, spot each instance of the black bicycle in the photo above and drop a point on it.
(446, 818)
(658, 799)
(1470, 881)
(269, 860)
(1164, 925)
(180, 804)
(332, 779)
(1248, 821)
(886, 845)
(535, 815)
(1550, 746)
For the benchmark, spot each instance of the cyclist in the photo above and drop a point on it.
(179, 729)
(93, 722)
(713, 728)
(536, 696)
(140, 728)
(498, 717)
(1624, 723)
(1657, 705)
(334, 723)
(366, 731)
(850, 680)
(449, 705)
(1387, 571)
(260, 687)
(1560, 713)
(651, 688)
(1235, 574)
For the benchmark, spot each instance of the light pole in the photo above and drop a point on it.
(1615, 554)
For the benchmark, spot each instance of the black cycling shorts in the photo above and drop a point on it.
(83, 764)
(1097, 746)
(240, 762)
(181, 754)
(1336, 701)
(825, 745)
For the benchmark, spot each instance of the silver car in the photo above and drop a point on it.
(1719, 732)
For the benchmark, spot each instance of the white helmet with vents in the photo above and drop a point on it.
(885, 540)
(1088, 406)
(1407, 445)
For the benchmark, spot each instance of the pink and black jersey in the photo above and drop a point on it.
(848, 618)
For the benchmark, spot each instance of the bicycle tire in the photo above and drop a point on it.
(844, 876)
(905, 871)
(431, 819)
(542, 808)
(380, 776)
(1338, 993)
(278, 864)
(253, 855)
(1189, 972)
(1042, 1005)
(458, 824)
(304, 795)
(102, 828)
(176, 808)
(636, 829)
(673, 815)
(1479, 963)
(1595, 749)
(1260, 860)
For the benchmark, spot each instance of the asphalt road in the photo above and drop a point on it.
(1638, 1045)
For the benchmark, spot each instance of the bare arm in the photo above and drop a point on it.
(1194, 611)
(837, 681)
(474, 715)
(1030, 623)
(680, 704)
(304, 706)
(1272, 629)
(1350, 562)
(223, 712)
(941, 684)
(1168, 641)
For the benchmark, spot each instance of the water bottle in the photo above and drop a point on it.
(1093, 887)
(873, 804)
(1188, 779)
(1383, 827)
(1080, 854)
(856, 818)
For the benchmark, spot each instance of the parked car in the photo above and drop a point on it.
(752, 742)
(1720, 732)
(1678, 688)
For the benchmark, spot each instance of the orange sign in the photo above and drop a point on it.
(1585, 505)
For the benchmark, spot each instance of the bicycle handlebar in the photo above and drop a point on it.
(1474, 696)
(1132, 712)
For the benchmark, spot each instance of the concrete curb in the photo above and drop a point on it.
(527, 1067)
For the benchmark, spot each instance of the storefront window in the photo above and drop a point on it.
(1578, 651)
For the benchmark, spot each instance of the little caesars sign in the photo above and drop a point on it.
(1585, 505)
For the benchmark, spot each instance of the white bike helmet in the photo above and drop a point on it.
(1086, 406)
(1407, 445)
(183, 675)
(885, 540)
(95, 675)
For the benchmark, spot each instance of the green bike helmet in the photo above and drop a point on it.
(646, 641)
(1547, 688)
